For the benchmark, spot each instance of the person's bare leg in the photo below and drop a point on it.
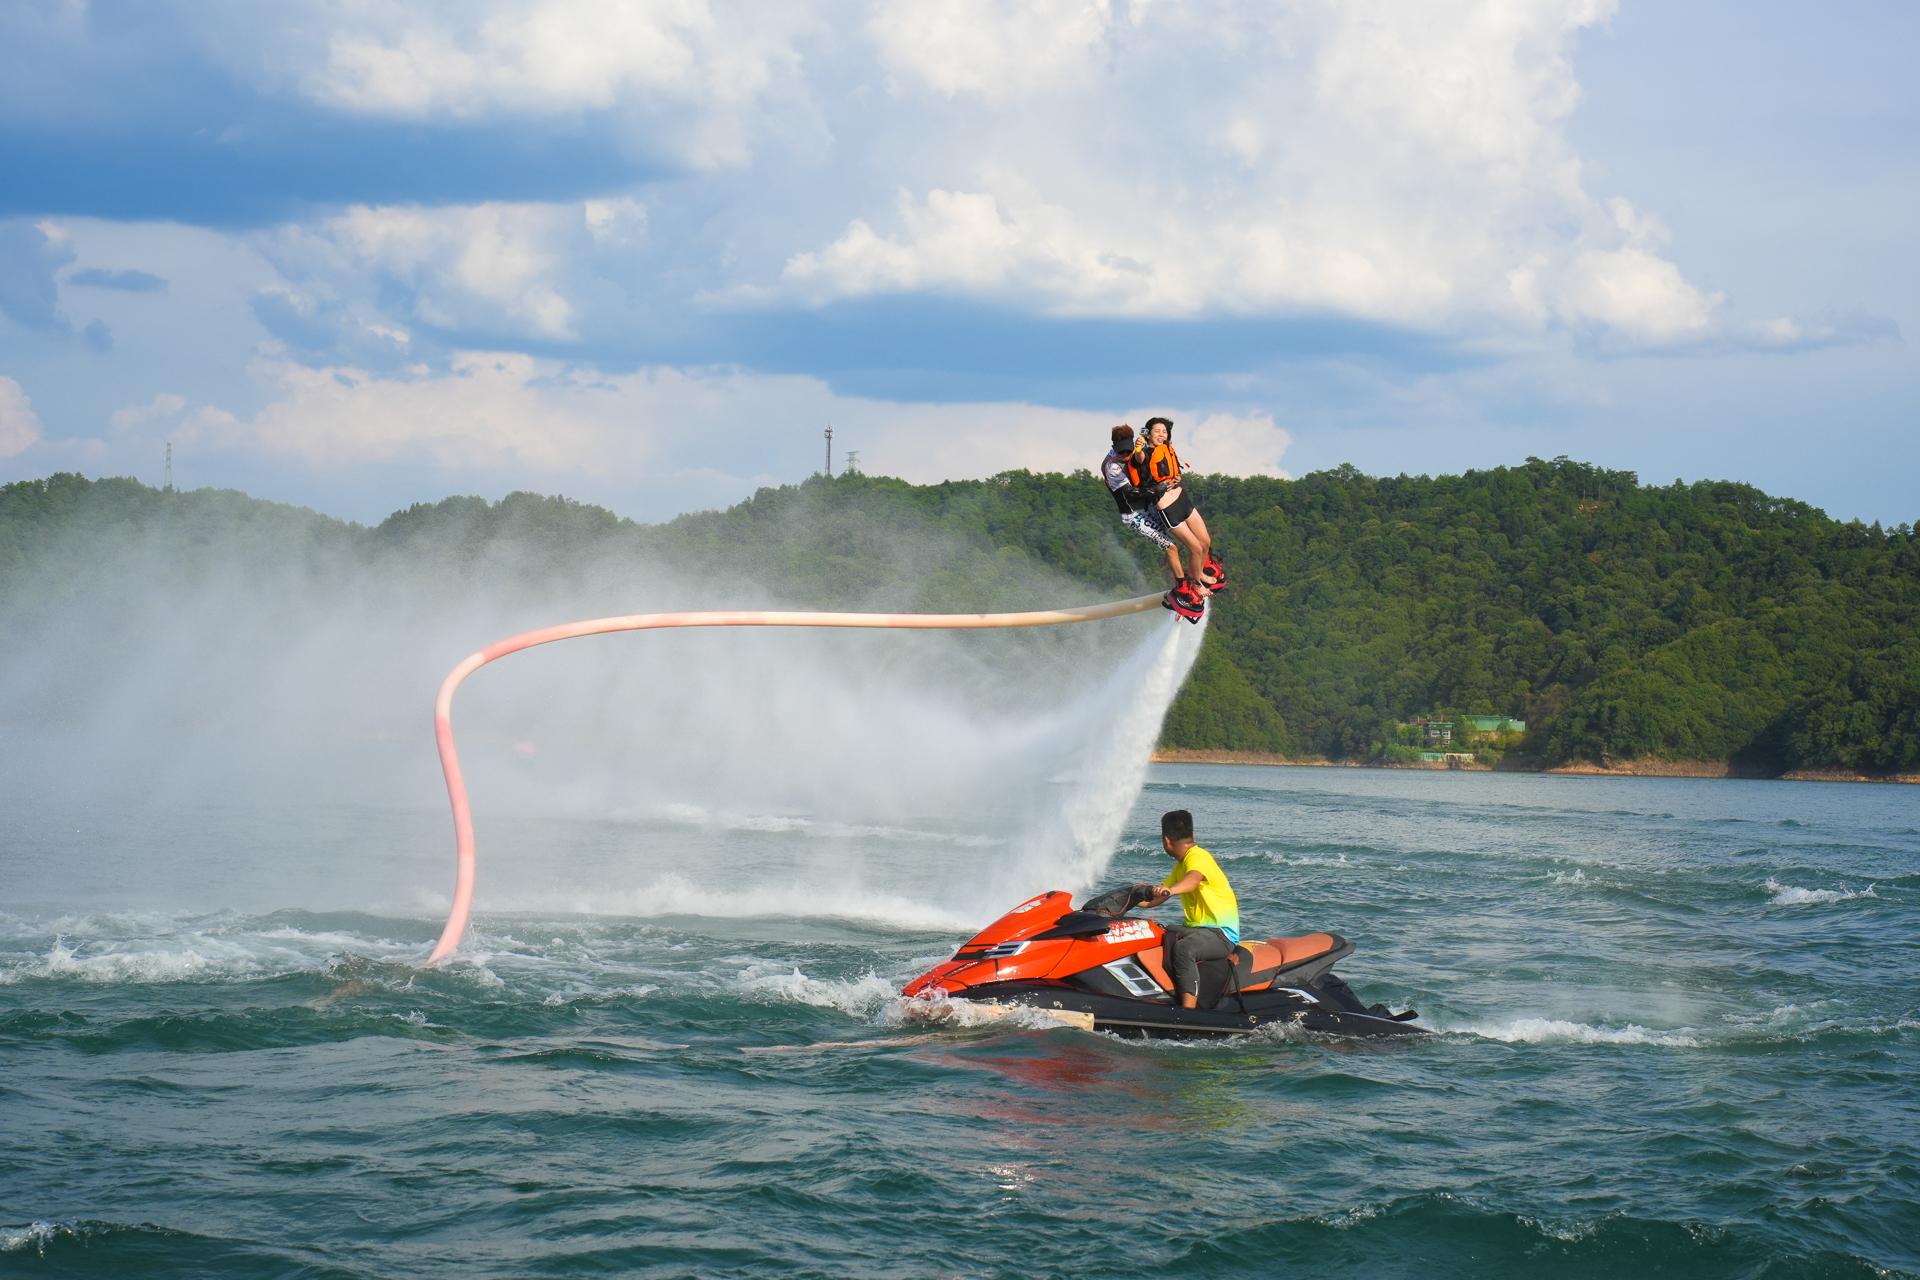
(1199, 527)
(1196, 555)
(1173, 563)
(1188, 1000)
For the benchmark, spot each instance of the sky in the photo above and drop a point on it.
(358, 254)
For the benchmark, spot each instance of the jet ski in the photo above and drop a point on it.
(1099, 961)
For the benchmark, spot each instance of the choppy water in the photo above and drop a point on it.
(1681, 1037)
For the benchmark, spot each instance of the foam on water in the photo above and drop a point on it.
(1784, 1024)
(859, 997)
(1293, 859)
(35, 1236)
(1561, 1031)
(1785, 1016)
(599, 995)
(1811, 1021)
(937, 1009)
(1787, 895)
(198, 960)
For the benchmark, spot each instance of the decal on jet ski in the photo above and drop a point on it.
(1029, 905)
(1129, 931)
(1136, 980)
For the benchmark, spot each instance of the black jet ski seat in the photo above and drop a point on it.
(1270, 962)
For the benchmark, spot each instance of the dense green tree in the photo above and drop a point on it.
(1706, 621)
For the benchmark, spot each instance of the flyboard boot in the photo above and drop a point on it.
(1214, 574)
(1185, 601)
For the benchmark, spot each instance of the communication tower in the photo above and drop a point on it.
(169, 487)
(829, 449)
(853, 461)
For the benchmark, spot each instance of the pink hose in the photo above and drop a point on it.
(443, 705)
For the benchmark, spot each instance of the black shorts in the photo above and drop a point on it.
(1178, 510)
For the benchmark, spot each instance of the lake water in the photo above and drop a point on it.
(1680, 1036)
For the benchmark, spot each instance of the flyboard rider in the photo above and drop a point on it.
(1158, 469)
(1141, 516)
(1211, 928)
(1143, 477)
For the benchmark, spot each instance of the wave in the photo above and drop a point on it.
(877, 1001)
(861, 997)
(146, 1248)
(201, 960)
(1561, 1031)
(1782, 1024)
(1788, 895)
(151, 949)
(231, 1032)
(365, 952)
(941, 1011)
(1459, 1235)
(35, 1236)
(600, 996)
(1813, 1021)
(1293, 859)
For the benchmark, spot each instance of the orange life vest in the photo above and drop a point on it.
(1155, 468)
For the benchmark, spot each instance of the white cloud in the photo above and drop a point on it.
(1231, 444)
(486, 413)
(992, 49)
(1631, 290)
(165, 407)
(20, 426)
(489, 412)
(965, 241)
(1833, 329)
(620, 220)
(930, 443)
(406, 61)
(496, 266)
(1636, 295)
(1402, 164)
(727, 431)
(709, 75)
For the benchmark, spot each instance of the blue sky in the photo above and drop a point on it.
(354, 255)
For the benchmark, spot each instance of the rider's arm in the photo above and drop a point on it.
(1185, 884)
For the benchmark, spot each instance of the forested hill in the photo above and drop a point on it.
(1702, 622)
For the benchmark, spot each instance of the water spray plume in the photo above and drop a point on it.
(443, 707)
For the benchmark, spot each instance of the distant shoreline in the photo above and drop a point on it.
(1579, 768)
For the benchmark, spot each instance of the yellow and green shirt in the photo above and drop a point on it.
(1212, 905)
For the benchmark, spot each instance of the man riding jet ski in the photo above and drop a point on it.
(1098, 960)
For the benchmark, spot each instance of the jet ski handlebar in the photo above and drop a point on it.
(1118, 901)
